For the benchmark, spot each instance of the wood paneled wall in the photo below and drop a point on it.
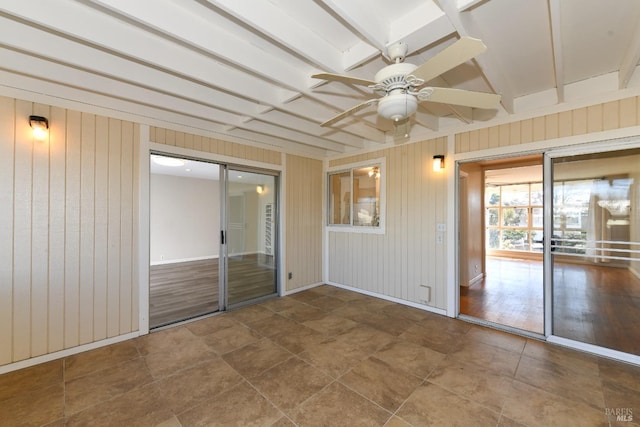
(595, 118)
(407, 255)
(303, 221)
(212, 145)
(68, 212)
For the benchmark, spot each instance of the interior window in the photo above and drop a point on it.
(354, 196)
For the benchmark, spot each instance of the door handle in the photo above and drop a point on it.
(222, 237)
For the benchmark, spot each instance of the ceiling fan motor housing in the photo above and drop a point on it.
(394, 76)
(397, 106)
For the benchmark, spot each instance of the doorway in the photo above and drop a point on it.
(208, 235)
(501, 275)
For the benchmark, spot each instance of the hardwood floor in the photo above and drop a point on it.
(181, 291)
(511, 294)
(593, 304)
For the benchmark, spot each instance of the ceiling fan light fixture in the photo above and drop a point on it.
(397, 106)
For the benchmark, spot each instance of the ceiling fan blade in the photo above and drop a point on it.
(351, 110)
(466, 98)
(343, 79)
(458, 53)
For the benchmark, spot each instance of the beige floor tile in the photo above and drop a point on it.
(201, 382)
(96, 387)
(331, 324)
(500, 339)
(279, 304)
(211, 324)
(435, 338)
(474, 382)
(231, 338)
(381, 383)
(290, 383)
(571, 359)
(100, 358)
(337, 406)
(405, 312)
(411, 358)
(366, 338)
(333, 356)
(532, 406)
(298, 339)
(143, 406)
(302, 312)
(283, 422)
(249, 314)
(392, 325)
(39, 406)
(165, 340)
(253, 359)
(584, 387)
(29, 379)
(346, 295)
(273, 324)
(179, 356)
(240, 406)
(485, 355)
(397, 422)
(431, 405)
(327, 303)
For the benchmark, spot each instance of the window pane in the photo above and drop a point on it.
(492, 195)
(515, 217)
(537, 195)
(340, 198)
(515, 195)
(493, 238)
(537, 214)
(366, 196)
(515, 240)
(492, 217)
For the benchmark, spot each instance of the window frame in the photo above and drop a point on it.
(529, 228)
(350, 167)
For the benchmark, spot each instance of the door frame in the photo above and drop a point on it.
(146, 147)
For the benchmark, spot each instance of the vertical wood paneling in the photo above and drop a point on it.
(304, 221)
(611, 115)
(7, 147)
(72, 231)
(538, 128)
(126, 227)
(565, 124)
(101, 228)
(514, 134)
(113, 251)
(551, 126)
(57, 227)
(87, 229)
(505, 135)
(397, 262)
(579, 120)
(62, 208)
(135, 286)
(40, 241)
(494, 137)
(23, 234)
(594, 118)
(628, 112)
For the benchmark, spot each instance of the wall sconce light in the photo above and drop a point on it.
(260, 189)
(40, 126)
(438, 162)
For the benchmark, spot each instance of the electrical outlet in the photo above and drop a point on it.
(439, 239)
(425, 293)
(441, 227)
(290, 275)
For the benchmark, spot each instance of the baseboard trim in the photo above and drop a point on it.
(176, 261)
(390, 298)
(66, 352)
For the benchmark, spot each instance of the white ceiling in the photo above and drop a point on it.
(241, 70)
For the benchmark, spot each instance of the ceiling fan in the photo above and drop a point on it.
(400, 84)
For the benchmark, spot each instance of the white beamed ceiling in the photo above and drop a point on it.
(240, 69)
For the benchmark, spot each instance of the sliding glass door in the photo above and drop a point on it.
(595, 249)
(251, 236)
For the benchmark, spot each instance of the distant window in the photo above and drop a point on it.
(355, 201)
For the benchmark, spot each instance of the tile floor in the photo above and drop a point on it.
(324, 357)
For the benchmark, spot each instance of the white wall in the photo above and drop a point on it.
(184, 218)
